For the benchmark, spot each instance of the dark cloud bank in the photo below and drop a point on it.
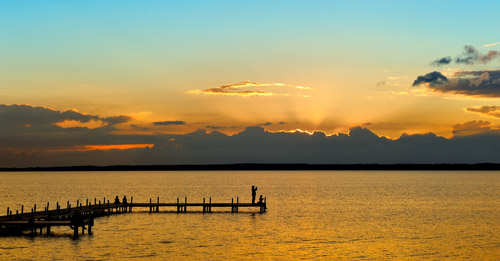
(43, 144)
(480, 83)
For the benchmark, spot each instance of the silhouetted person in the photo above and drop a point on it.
(124, 200)
(117, 200)
(261, 199)
(254, 193)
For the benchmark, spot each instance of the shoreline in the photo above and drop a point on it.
(263, 167)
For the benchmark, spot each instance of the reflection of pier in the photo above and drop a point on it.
(82, 216)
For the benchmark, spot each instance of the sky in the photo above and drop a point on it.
(197, 82)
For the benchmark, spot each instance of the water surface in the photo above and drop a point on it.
(311, 215)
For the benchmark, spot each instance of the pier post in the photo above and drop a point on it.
(48, 230)
(8, 213)
(22, 209)
(75, 230)
(158, 206)
(67, 205)
(210, 206)
(150, 205)
(131, 201)
(237, 203)
(232, 205)
(185, 204)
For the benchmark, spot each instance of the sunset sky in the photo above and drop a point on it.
(83, 76)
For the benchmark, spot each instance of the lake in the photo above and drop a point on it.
(366, 215)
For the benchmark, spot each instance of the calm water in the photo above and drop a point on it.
(311, 215)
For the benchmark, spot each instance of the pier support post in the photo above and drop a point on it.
(232, 205)
(210, 205)
(75, 230)
(131, 201)
(158, 206)
(185, 204)
(237, 203)
(150, 205)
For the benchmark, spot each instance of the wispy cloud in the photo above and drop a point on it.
(491, 44)
(489, 111)
(469, 56)
(246, 89)
(169, 123)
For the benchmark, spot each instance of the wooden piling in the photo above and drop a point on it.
(185, 205)
(158, 206)
(150, 205)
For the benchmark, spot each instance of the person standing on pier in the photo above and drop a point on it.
(254, 193)
(124, 200)
(117, 200)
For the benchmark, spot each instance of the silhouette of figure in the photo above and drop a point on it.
(117, 200)
(254, 193)
(124, 200)
(261, 199)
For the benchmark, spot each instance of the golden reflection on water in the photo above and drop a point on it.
(311, 215)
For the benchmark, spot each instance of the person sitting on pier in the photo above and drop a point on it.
(124, 200)
(117, 200)
(254, 193)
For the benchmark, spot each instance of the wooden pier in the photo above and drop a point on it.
(83, 215)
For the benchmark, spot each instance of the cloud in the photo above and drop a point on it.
(472, 128)
(239, 89)
(383, 83)
(469, 56)
(28, 141)
(490, 111)
(164, 123)
(442, 61)
(472, 56)
(219, 127)
(433, 78)
(481, 83)
(491, 44)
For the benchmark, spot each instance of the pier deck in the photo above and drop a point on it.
(82, 216)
